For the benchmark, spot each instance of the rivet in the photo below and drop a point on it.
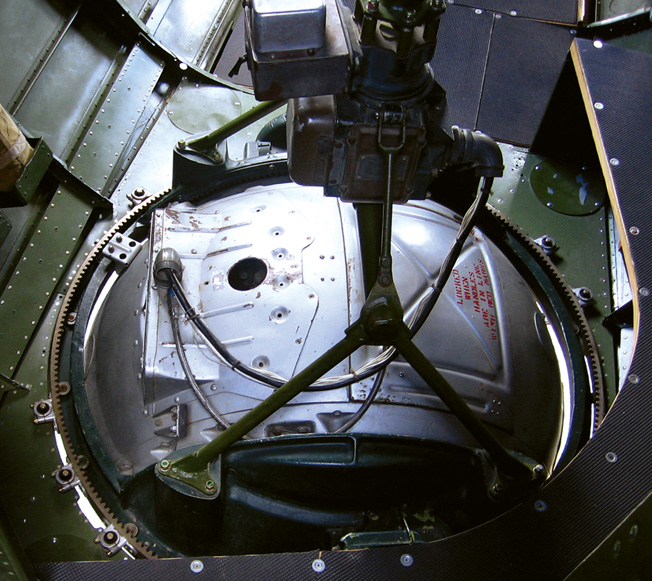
(644, 292)
(597, 43)
(599, 106)
(614, 161)
(633, 531)
(318, 566)
(196, 566)
(633, 378)
(611, 457)
(634, 231)
(407, 560)
(540, 506)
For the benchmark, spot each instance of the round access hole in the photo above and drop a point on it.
(247, 274)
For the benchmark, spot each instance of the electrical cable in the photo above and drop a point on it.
(174, 320)
(365, 405)
(375, 365)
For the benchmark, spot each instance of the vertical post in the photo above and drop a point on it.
(370, 218)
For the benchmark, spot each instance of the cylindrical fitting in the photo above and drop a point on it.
(477, 150)
(167, 259)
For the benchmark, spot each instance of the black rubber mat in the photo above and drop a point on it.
(525, 60)
(563, 11)
(498, 71)
(460, 61)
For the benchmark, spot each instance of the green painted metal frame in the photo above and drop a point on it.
(583, 254)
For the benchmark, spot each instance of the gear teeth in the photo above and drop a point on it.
(135, 213)
(55, 352)
(584, 332)
(269, 170)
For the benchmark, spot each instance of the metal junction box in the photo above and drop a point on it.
(297, 50)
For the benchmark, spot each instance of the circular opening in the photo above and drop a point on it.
(260, 362)
(247, 274)
(278, 315)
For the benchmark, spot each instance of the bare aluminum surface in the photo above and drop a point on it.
(291, 73)
(487, 335)
(621, 295)
(285, 25)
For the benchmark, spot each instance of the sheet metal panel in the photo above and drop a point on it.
(114, 131)
(38, 271)
(563, 11)
(67, 87)
(525, 60)
(188, 27)
(27, 29)
(460, 61)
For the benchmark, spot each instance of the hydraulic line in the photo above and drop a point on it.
(208, 336)
(174, 320)
(365, 405)
(172, 307)
(427, 304)
(378, 363)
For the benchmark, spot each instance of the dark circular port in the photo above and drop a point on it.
(247, 274)
(65, 475)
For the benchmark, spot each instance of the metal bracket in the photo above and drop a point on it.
(111, 540)
(43, 411)
(548, 244)
(66, 478)
(122, 250)
(584, 296)
(178, 428)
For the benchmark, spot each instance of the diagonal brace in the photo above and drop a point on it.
(194, 469)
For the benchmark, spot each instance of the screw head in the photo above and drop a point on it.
(110, 537)
(407, 560)
(318, 566)
(131, 529)
(164, 465)
(210, 485)
(196, 566)
(66, 475)
(540, 506)
(63, 388)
